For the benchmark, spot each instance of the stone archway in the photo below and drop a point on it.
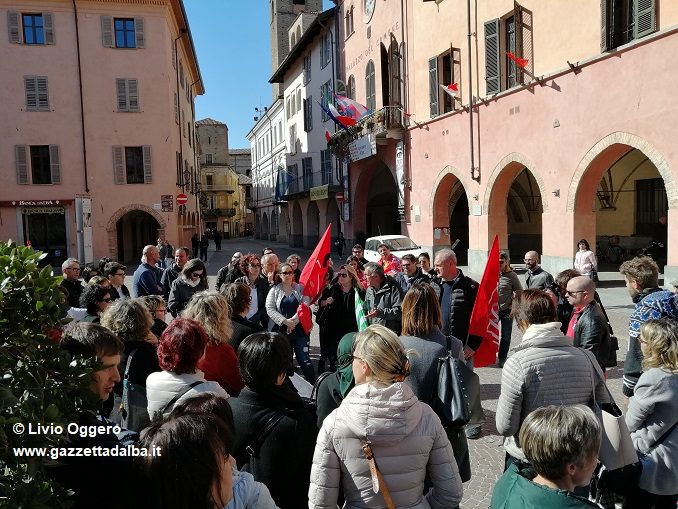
(113, 233)
(297, 233)
(312, 225)
(515, 200)
(448, 208)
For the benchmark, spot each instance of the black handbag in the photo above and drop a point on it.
(457, 398)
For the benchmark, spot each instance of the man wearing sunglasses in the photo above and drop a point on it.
(588, 325)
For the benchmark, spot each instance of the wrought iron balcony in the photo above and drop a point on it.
(387, 122)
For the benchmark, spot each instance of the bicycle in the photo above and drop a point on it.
(612, 252)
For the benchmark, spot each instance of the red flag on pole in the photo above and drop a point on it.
(485, 314)
(520, 62)
(313, 275)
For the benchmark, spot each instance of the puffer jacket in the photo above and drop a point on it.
(249, 494)
(388, 301)
(163, 386)
(546, 369)
(408, 442)
(652, 411)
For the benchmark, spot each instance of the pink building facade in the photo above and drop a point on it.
(578, 145)
(98, 135)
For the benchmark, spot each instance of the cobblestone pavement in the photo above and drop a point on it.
(487, 454)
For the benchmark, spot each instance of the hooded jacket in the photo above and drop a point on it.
(408, 442)
(546, 369)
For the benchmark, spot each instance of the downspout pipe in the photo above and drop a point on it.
(470, 91)
(181, 182)
(82, 102)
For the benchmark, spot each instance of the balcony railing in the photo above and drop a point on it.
(306, 182)
(218, 187)
(379, 123)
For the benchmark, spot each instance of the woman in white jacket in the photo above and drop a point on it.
(406, 437)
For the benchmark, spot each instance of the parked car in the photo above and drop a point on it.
(400, 245)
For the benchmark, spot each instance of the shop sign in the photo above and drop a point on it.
(319, 193)
(362, 148)
(44, 210)
(35, 203)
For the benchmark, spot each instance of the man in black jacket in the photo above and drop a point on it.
(457, 297)
(411, 274)
(229, 273)
(172, 272)
(383, 299)
(71, 282)
(115, 272)
(588, 325)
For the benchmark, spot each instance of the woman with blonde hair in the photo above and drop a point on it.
(220, 362)
(341, 312)
(381, 418)
(158, 309)
(509, 287)
(652, 417)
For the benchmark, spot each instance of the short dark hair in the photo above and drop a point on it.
(383, 245)
(206, 403)
(263, 357)
(358, 246)
(182, 344)
(88, 271)
(112, 267)
(91, 295)
(355, 259)
(238, 296)
(564, 277)
(533, 306)
(585, 242)
(409, 258)
(194, 447)
(84, 338)
(184, 249)
(425, 255)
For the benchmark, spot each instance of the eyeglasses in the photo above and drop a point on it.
(341, 274)
(73, 268)
(195, 275)
(287, 273)
(575, 292)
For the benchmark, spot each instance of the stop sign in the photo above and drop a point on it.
(182, 199)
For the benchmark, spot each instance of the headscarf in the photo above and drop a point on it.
(344, 363)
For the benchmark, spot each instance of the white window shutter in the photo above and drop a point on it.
(13, 27)
(43, 93)
(121, 91)
(148, 167)
(21, 153)
(133, 95)
(119, 165)
(107, 31)
(139, 32)
(48, 23)
(31, 86)
(55, 164)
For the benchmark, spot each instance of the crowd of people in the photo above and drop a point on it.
(215, 385)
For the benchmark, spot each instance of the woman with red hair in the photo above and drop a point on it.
(181, 346)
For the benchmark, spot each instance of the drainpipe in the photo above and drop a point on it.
(470, 91)
(181, 182)
(82, 103)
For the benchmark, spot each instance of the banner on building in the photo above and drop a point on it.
(319, 193)
(362, 148)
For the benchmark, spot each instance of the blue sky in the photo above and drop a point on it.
(232, 40)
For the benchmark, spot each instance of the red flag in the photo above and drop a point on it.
(304, 315)
(520, 62)
(313, 275)
(485, 315)
(328, 136)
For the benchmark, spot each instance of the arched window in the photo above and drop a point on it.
(350, 87)
(370, 90)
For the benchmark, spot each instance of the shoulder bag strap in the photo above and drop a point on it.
(375, 473)
(253, 448)
(662, 438)
(180, 395)
(125, 380)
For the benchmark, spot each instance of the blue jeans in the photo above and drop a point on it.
(300, 344)
(505, 341)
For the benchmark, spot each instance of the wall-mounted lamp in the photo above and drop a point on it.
(475, 174)
(556, 193)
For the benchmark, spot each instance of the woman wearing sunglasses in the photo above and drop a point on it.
(281, 305)
(193, 279)
(95, 299)
(250, 265)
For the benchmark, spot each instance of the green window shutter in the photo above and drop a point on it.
(121, 91)
(133, 95)
(605, 28)
(119, 165)
(48, 23)
(21, 153)
(31, 86)
(43, 93)
(13, 27)
(645, 16)
(107, 31)
(55, 164)
(433, 85)
(492, 62)
(148, 168)
(139, 32)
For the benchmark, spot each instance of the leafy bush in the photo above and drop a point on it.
(40, 384)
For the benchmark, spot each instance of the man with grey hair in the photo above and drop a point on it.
(146, 280)
(71, 282)
(457, 297)
(383, 298)
(536, 277)
(588, 326)
(269, 268)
